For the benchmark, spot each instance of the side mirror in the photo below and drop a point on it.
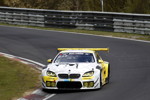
(49, 60)
(100, 61)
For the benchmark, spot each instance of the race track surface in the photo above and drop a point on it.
(130, 60)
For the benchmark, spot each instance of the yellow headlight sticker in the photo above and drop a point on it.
(88, 84)
(87, 78)
(47, 78)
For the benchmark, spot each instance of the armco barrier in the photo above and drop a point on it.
(103, 21)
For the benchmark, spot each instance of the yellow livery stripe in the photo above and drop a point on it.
(93, 49)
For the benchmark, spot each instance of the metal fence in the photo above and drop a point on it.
(103, 21)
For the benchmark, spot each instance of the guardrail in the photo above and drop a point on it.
(103, 21)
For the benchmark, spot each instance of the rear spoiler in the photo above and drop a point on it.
(92, 49)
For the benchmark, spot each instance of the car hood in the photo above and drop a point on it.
(72, 67)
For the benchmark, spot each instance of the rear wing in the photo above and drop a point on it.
(92, 49)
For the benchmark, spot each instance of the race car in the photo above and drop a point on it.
(76, 68)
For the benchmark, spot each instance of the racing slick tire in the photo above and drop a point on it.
(100, 81)
(107, 79)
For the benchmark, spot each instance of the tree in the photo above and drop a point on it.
(114, 5)
(137, 6)
(1, 3)
(130, 6)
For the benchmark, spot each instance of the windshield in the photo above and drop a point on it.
(74, 57)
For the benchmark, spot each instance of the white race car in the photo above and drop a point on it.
(76, 68)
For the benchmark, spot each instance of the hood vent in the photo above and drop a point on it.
(73, 65)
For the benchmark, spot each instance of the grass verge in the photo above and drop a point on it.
(113, 34)
(16, 78)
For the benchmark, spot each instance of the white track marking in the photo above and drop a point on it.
(28, 60)
(32, 61)
(36, 91)
(81, 33)
(49, 96)
(24, 62)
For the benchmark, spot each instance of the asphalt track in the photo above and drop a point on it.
(130, 60)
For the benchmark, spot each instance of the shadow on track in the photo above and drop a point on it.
(67, 91)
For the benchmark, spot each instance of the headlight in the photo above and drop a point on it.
(88, 74)
(50, 73)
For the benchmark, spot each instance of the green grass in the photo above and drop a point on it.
(113, 34)
(16, 78)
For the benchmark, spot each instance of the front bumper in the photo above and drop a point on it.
(70, 84)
